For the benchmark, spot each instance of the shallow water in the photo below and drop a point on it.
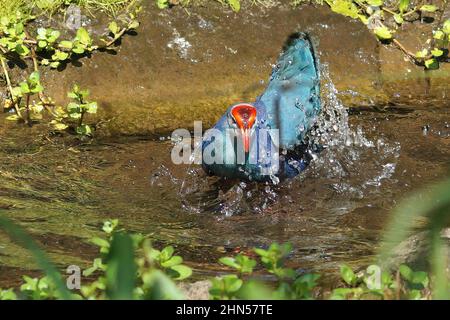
(332, 213)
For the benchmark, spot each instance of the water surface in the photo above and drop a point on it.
(333, 213)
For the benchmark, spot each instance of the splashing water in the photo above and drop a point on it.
(350, 164)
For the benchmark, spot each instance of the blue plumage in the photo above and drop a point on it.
(290, 104)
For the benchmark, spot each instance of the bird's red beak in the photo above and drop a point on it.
(245, 117)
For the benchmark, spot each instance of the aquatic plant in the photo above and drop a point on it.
(128, 267)
(44, 47)
(79, 107)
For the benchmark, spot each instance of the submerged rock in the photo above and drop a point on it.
(198, 290)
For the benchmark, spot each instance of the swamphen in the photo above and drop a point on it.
(242, 145)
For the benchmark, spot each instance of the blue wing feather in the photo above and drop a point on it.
(291, 100)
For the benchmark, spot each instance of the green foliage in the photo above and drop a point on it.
(434, 206)
(235, 5)
(45, 47)
(225, 287)
(168, 262)
(289, 284)
(375, 283)
(53, 281)
(79, 107)
(273, 259)
(344, 7)
(32, 85)
(241, 263)
(380, 14)
(383, 33)
(130, 268)
(348, 275)
(162, 4)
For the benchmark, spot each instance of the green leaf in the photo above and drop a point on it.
(344, 7)
(42, 44)
(19, 27)
(437, 52)
(110, 225)
(17, 92)
(414, 294)
(54, 34)
(13, 117)
(405, 272)
(175, 260)
(4, 21)
(246, 264)
(422, 54)
(22, 50)
(84, 130)
(398, 18)
(167, 253)
(97, 264)
(60, 55)
(348, 275)
(235, 5)
(83, 36)
(78, 50)
(439, 35)
(403, 5)
(34, 77)
(38, 88)
(8, 294)
(420, 277)
(428, 8)
(254, 290)
(182, 271)
(54, 64)
(66, 44)
(375, 3)
(341, 293)
(134, 24)
(121, 268)
(24, 88)
(59, 126)
(25, 241)
(113, 27)
(100, 242)
(261, 252)
(74, 109)
(160, 287)
(225, 286)
(162, 4)
(383, 33)
(232, 283)
(432, 64)
(230, 262)
(446, 27)
(91, 107)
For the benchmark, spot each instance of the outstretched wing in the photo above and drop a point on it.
(291, 100)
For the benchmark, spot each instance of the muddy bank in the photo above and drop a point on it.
(182, 67)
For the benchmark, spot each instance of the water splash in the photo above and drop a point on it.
(350, 164)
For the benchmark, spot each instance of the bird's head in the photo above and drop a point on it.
(243, 117)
